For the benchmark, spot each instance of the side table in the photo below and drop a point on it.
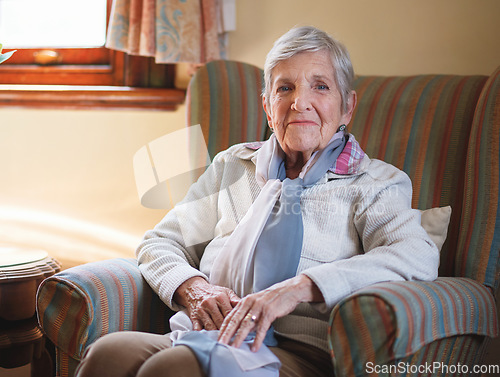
(21, 340)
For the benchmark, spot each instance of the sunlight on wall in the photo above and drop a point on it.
(76, 167)
(64, 237)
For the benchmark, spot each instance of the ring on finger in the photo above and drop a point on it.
(251, 317)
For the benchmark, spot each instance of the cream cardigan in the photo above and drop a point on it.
(359, 229)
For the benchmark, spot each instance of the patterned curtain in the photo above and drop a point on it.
(172, 31)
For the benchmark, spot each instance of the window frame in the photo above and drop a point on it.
(87, 78)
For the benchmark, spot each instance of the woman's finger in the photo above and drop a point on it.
(230, 325)
(233, 298)
(220, 308)
(248, 324)
(207, 303)
(197, 324)
(213, 311)
(202, 319)
(260, 335)
(257, 311)
(227, 329)
(235, 323)
(226, 304)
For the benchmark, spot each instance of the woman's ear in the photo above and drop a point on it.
(266, 109)
(351, 105)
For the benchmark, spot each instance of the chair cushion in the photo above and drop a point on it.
(435, 221)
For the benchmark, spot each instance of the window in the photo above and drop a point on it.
(84, 23)
(61, 42)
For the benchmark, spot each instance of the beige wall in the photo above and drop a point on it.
(68, 183)
(384, 37)
(67, 178)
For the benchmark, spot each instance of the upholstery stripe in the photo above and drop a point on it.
(451, 352)
(372, 334)
(237, 84)
(392, 113)
(422, 135)
(244, 98)
(120, 301)
(215, 116)
(224, 95)
(345, 357)
(130, 282)
(235, 91)
(83, 303)
(480, 239)
(102, 304)
(409, 316)
(66, 366)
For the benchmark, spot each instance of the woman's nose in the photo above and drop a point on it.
(301, 99)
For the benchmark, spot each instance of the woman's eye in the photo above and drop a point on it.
(284, 88)
(322, 87)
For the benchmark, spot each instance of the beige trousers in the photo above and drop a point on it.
(136, 354)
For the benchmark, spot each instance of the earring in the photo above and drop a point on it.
(342, 128)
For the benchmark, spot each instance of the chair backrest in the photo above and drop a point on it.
(421, 125)
(426, 125)
(224, 97)
(479, 242)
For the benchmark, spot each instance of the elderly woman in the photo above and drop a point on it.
(274, 234)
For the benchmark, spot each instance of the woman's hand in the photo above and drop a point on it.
(207, 304)
(257, 311)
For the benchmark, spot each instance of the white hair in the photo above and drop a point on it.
(311, 39)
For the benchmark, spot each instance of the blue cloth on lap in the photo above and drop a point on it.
(221, 360)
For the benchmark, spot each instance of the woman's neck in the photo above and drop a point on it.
(295, 162)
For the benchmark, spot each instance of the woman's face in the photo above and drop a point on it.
(304, 106)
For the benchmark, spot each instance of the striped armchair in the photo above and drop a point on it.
(443, 130)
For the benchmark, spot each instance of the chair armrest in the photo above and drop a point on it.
(389, 321)
(81, 304)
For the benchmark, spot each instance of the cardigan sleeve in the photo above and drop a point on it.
(170, 253)
(395, 246)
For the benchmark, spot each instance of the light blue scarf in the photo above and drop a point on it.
(279, 246)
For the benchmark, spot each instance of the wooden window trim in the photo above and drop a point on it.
(138, 92)
(89, 97)
(97, 78)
